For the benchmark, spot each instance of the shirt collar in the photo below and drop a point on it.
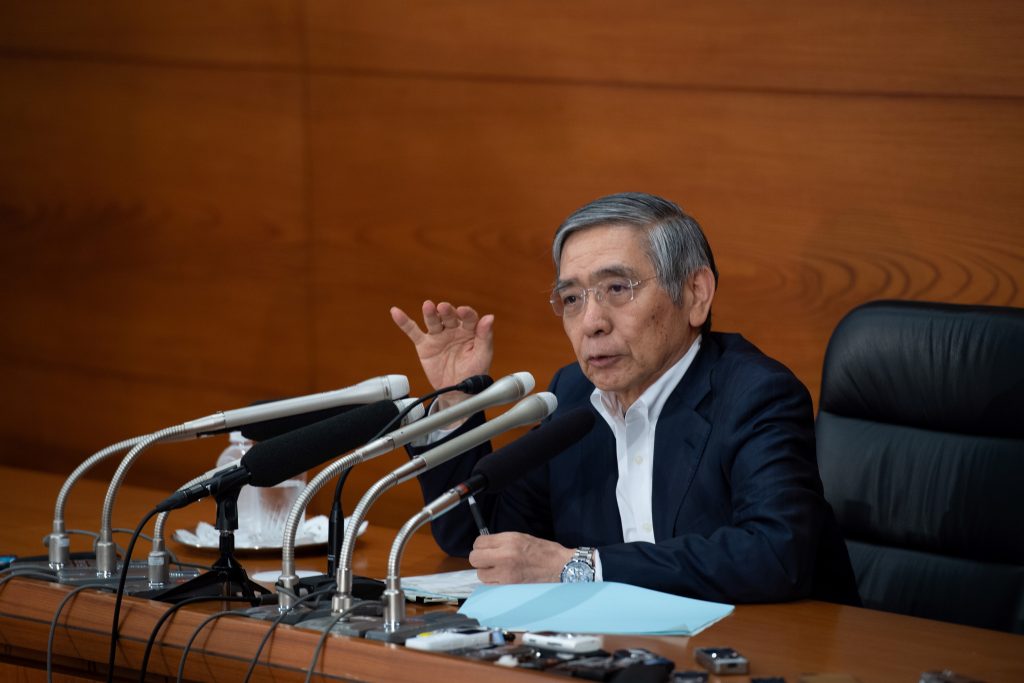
(654, 397)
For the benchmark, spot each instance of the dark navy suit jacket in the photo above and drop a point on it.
(739, 514)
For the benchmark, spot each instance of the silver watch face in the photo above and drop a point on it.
(577, 571)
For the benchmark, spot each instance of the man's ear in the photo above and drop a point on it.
(701, 291)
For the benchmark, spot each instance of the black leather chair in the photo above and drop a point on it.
(921, 448)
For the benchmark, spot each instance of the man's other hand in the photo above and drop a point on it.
(512, 557)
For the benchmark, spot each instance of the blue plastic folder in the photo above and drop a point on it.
(600, 607)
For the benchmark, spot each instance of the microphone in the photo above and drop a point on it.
(335, 519)
(474, 384)
(268, 429)
(505, 390)
(158, 556)
(508, 388)
(530, 409)
(375, 389)
(268, 418)
(493, 472)
(270, 462)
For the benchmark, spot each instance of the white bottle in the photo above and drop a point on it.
(262, 510)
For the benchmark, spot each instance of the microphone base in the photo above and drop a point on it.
(318, 617)
(82, 559)
(355, 627)
(363, 587)
(413, 626)
(272, 613)
(138, 573)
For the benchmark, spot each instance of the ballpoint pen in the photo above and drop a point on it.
(477, 517)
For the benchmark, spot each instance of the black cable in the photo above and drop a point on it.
(320, 645)
(56, 618)
(168, 614)
(120, 592)
(34, 573)
(277, 622)
(195, 634)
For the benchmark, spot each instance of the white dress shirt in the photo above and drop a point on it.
(634, 448)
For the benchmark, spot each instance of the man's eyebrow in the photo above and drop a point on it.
(617, 270)
(614, 271)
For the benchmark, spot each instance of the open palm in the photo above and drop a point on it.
(456, 344)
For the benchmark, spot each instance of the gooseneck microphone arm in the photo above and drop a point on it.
(394, 597)
(385, 386)
(336, 519)
(505, 390)
(57, 543)
(106, 556)
(492, 473)
(530, 409)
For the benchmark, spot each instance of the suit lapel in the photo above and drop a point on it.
(598, 476)
(680, 438)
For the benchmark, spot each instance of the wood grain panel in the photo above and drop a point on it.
(950, 46)
(154, 248)
(813, 204)
(197, 214)
(243, 32)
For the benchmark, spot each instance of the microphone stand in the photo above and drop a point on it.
(226, 577)
(396, 628)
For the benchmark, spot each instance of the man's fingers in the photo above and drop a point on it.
(467, 316)
(485, 327)
(431, 317)
(446, 313)
(492, 541)
(406, 324)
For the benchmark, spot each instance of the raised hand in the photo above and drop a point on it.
(457, 343)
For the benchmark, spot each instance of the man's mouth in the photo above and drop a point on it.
(601, 361)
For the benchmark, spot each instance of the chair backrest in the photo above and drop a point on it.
(921, 447)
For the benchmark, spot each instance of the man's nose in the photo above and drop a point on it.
(594, 316)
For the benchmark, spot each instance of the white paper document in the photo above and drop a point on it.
(599, 607)
(445, 586)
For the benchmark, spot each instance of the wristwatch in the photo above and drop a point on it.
(580, 567)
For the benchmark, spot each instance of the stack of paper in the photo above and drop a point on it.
(600, 607)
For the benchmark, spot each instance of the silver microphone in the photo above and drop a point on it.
(531, 409)
(377, 388)
(507, 389)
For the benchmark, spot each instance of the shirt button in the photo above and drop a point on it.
(639, 460)
(647, 526)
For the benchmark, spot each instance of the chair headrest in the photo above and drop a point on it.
(946, 367)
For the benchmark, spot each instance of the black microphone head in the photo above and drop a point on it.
(283, 457)
(268, 429)
(474, 384)
(508, 464)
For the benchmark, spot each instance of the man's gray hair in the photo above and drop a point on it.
(676, 244)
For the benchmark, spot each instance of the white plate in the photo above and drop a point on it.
(310, 534)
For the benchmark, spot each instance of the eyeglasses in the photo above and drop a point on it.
(570, 300)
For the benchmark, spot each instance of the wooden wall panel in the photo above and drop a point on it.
(253, 32)
(207, 204)
(915, 46)
(154, 244)
(812, 204)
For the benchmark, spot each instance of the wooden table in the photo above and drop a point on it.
(779, 640)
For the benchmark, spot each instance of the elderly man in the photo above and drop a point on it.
(701, 477)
